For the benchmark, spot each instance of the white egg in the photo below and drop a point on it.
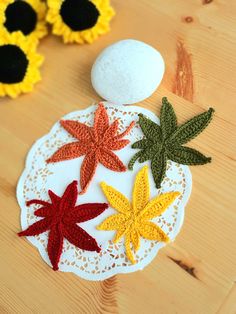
(127, 72)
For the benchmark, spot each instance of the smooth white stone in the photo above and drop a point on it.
(127, 72)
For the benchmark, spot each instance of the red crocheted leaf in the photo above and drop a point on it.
(111, 131)
(87, 171)
(117, 144)
(101, 122)
(37, 228)
(85, 212)
(54, 198)
(119, 136)
(80, 238)
(110, 160)
(44, 211)
(70, 151)
(69, 198)
(55, 244)
(79, 130)
(37, 202)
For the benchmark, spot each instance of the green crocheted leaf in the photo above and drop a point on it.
(191, 128)
(158, 167)
(149, 152)
(150, 129)
(133, 160)
(168, 119)
(187, 156)
(142, 144)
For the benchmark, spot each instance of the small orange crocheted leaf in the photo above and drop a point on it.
(87, 171)
(109, 160)
(117, 144)
(101, 122)
(79, 130)
(95, 143)
(69, 151)
(132, 220)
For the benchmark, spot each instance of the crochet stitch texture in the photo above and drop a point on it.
(164, 142)
(96, 143)
(60, 218)
(133, 219)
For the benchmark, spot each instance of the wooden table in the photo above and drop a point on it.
(197, 273)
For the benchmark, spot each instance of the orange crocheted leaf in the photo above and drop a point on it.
(101, 122)
(117, 145)
(79, 130)
(70, 151)
(110, 160)
(111, 131)
(95, 143)
(88, 169)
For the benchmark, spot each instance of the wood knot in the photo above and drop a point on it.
(188, 19)
(190, 270)
(206, 1)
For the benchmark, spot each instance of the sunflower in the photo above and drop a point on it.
(79, 20)
(19, 64)
(26, 16)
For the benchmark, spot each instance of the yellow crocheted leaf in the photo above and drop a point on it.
(135, 239)
(119, 234)
(158, 205)
(116, 199)
(112, 222)
(150, 231)
(141, 190)
(128, 249)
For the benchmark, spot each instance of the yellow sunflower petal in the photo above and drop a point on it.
(112, 222)
(135, 239)
(158, 205)
(129, 253)
(141, 190)
(150, 231)
(116, 199)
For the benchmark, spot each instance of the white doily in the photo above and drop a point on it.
(38, 177)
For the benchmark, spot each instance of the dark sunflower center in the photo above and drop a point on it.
(79, 14)
(20, 16)
(13, 64)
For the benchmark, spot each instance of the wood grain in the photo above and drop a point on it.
(197, 273)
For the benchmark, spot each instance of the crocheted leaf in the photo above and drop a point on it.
(135, 239)
(112, 222)
(142, 144)
(133, 160)
(69, 151)
(116, 199)
(109, 160)
(87, 170)
(164, 142)
(168, 119)
(150, 129)
(141, 190)
(84, 212)
(79, 130)
(132, 220)
(187, 156)
(191, 128)
(151, 231)
(62, 216)
(158, 205)
(95, 143)
(158, 166)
